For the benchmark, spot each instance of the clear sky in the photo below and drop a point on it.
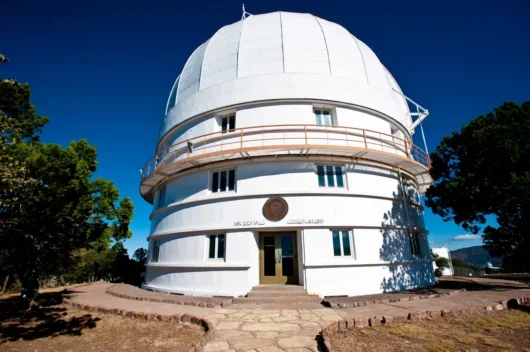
(102, 70)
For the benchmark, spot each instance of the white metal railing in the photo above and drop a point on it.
(250, 139)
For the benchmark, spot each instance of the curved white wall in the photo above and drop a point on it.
(370, 205)
(280, 114)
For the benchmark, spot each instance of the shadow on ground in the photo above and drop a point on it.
(49, 320)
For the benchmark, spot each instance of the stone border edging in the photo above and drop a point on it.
(175, 318)
(354, 304)
(224, 304)
(351, 323)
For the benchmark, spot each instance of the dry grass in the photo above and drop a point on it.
(503, 331)
(55, 328)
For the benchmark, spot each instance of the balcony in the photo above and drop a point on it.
(294, 140)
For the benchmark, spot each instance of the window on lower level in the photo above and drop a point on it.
(162, 197)
(216, 246)
(228, 123)
(155, 252)
(343, 244)
(223, 181)
(415, 247)
(323, 117)
(330, 176)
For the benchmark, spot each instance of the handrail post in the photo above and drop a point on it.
(305, 132)
(364, 137)
(406, 149)
(241, 139)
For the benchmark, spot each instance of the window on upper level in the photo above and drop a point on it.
(343, 244)
(330, 176)
(228, 123)
(415, 247)
(216, 246)
(155, 252)
(223, 181)
(161, 197)
(323, 117)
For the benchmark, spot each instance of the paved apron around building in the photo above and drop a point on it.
(290, 328)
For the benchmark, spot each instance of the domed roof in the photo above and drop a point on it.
(283, 55)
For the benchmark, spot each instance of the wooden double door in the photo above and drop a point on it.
(278, 258)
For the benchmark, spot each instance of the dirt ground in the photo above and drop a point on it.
(53, 327)
(502, 331)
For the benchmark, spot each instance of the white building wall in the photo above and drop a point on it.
(279, 114)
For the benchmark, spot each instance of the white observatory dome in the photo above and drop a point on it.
(283, 56)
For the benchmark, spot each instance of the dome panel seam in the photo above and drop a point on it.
(325, 42)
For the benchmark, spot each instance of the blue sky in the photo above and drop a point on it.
(102, 70)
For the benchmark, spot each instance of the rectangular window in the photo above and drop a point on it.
(223, 181)
(162, 197)
(415, 244)
(228, 123)
(330, 176)
(343, 244)
(323, 117)
(216, 246)
(155, 253)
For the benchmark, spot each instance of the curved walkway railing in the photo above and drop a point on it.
(281, 137)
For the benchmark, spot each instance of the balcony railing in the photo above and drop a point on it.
(288, 139)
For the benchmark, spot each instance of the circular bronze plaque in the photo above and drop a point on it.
(275, 209)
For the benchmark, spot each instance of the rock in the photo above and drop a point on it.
(297, 342)
(228, 325)
(265, 334)
(248, 344)
(498, 306)
(235, 334)
(216, 346)
(269, 327)
(270, 349)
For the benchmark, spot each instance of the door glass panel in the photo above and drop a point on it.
(320, 173)
(269, 260)
(287, 256)
(329, 174)
(338, 174)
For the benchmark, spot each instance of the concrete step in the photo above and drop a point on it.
(287, 288)
(277, 293)
(277, 300)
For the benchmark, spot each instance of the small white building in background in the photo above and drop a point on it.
(286, 157)
(443, 252)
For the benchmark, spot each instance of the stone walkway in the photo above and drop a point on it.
(267, 330)
(247, 328)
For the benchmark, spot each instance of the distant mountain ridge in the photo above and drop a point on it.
(477, 256)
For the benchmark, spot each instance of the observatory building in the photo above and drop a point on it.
(286, 157)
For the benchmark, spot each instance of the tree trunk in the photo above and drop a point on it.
(5, 284)
(30, 287)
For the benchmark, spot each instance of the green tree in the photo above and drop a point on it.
(140, 255)
(49, 204)
(484, 170)
(441, 263)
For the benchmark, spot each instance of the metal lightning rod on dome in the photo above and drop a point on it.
(245, 13)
